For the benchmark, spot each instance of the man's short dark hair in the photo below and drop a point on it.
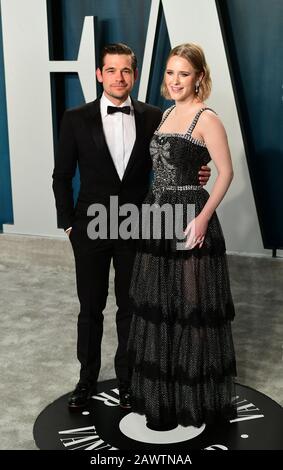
(118, 48)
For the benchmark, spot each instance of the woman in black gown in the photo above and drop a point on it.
(180, 345)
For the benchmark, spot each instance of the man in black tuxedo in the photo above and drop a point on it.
(109, 140)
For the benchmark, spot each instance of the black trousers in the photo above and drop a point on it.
(93, 260)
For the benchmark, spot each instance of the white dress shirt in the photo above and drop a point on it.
(120, 133)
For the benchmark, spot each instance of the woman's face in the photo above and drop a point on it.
(180, 79)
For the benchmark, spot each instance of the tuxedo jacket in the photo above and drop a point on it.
(82, 143)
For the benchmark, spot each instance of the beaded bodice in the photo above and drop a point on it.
(177, 158)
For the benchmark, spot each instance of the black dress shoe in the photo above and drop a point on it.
(81, 395)
(125, 398)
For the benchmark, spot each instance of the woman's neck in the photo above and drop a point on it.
(185, 107)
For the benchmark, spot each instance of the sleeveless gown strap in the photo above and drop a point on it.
(195, 120)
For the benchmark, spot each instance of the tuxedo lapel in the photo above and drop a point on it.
(96, 129)
(138, 110)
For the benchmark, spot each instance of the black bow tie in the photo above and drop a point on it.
(116, 109)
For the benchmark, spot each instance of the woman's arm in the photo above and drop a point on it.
(213, 133)
(215, 138)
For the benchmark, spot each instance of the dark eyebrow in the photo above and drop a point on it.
(181, 71)
(128, 69)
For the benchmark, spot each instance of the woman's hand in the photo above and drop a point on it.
(196, 231)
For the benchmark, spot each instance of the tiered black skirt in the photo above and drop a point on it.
(180, 346)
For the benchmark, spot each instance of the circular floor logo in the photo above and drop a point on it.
(103, 426)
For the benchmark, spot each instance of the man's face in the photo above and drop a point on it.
(117, 77)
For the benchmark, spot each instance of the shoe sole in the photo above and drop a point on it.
(77, 407)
